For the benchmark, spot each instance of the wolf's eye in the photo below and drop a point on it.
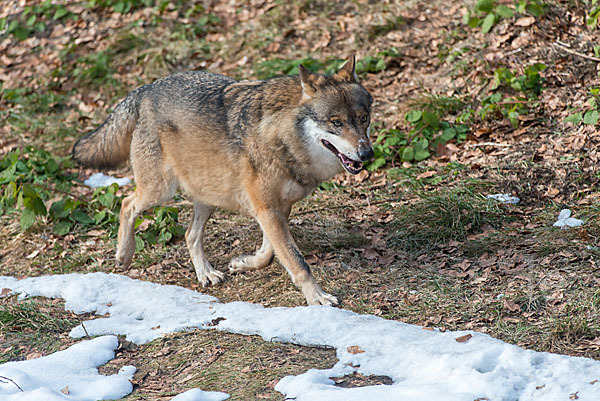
(337, 123)
(364, 118)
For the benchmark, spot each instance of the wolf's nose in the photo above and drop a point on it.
(365, 153)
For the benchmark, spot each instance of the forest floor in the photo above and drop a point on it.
(460, 114)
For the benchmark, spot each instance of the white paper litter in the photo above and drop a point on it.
(565, 220)
(424, 365)
(505, 198)
(102, 180)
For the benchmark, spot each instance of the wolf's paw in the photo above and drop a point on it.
(123, 261)
(316, 296)
(250, 262)
(210, 277)
(239, 264)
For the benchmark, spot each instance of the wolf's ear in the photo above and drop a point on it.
(347, 73)
(308, 81)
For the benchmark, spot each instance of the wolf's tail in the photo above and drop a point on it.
(108, 145)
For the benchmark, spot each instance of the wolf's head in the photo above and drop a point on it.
(336, 116)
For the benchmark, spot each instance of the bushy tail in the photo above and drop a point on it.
(108, 146)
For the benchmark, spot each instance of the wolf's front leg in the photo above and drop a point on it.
(275, 227)
(206, 273)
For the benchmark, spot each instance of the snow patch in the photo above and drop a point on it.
(423, 365)
(196, 394)
(102, 180)
(73, 368)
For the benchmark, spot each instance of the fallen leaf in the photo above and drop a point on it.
(511, 306)
(34, 355)
(355, 349)
(463, 339)
(574, 396)
(525, 21)
(426, 174)
(65, 390)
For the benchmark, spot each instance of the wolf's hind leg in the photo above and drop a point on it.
(153, 187)
(206, 273)
(131, 208)
(262, 258)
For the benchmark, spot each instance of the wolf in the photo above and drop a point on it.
(253, 146)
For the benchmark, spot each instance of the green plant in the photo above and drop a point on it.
(121, 6)
(427, 130)
(523, 91)
(590, 114)
(34, 19)
(592, 15)
(158, 228)
(487, 13)
(444, 215)
(33, 179)
(28, 316)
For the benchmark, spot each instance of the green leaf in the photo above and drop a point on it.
(504, 11)
(431, 119)
(62, 227)
(31, 20)
(36, 205)
(27, 219)
(422, 155)
(21, 33)
(488, 23)
(484, 6)
(57, 210)
(513, 116)
(408, 154)
(377, 163)
(60, 12)
(413, 116)
(139, 243)
(82, 217)
(447, 134)
(574, 118)
(474, 22)
(101, 215)
(590, 117)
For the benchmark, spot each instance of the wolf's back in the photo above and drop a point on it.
(108, 146)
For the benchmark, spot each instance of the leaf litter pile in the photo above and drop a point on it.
(471, 100)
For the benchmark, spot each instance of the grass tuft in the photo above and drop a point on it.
(444, 215)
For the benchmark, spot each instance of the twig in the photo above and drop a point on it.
(573, 52)
(47, 188)
(84, 329)
(12, 381)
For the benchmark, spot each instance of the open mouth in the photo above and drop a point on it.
(351, 166)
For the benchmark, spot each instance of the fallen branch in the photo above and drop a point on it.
(2, 378)
(575, 53)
